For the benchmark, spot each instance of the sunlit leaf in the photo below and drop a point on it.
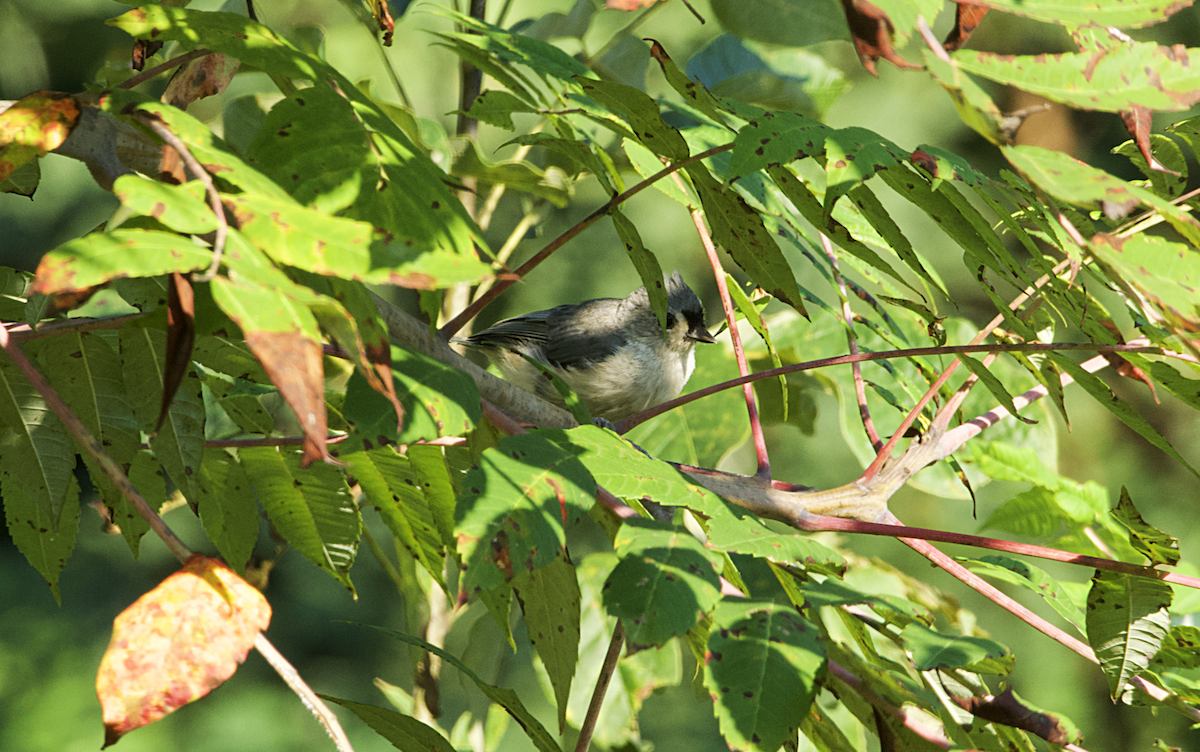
(177, 643)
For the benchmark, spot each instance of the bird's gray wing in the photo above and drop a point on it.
(530, 330)
(583, 334)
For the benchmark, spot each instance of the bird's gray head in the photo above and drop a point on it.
(685, 315)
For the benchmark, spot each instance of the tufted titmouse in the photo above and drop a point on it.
(611, 352)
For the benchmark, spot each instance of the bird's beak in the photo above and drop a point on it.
(700, 334)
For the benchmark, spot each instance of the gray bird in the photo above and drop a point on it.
(611, 352)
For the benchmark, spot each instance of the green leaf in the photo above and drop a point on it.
(975, 106)
(642, 113)
(542, 57)
(225, 498)
(438, 401)
(405, 733)
(100, 257)
(877, 215)
(762, 668)
(46, 541)
(148, 477)
(550, 600)
(1164, 272)
(780, 22)
(178, 207)
(1127, 621)
(735, 532)
(753, 316)
(773, 139)
(430, 466)
(645, 263)
(1118, 407)
(739, 229)
(1074, 13)
(86, 373)
(515, 506)
(1032, 578)
(551, 184)
(1169, 155)
(1083, 185)
(770, 77)
(505, 698)
(496, 107)
(394, 488)
(993, 384)
(665, 583)
(647, 163)
(39, 455)
(1157, 546)
(932, 650)
(1112, 79)
(1179, 648)
(179, 443)
(810, 208)
(311, 508)
(890, 608)
(627, 473)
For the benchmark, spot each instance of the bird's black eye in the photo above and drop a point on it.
(671, 320)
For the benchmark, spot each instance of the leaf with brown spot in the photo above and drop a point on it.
(203, 77)
(177, 643)
(550, 600)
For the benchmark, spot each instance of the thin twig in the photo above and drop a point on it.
(942, 419)
(821, 523)
(739, 353)
(25, 333)
(607, 669)
(472, 310)
(155, 123)
(292, 678)
(174, 62)
(860, 391)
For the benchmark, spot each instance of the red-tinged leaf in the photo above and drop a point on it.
(1137, 122)
(872, 30)
(181, 338)
(628, 4)
(34, 125)
(966, 19)
(200, 78)
(177, 643)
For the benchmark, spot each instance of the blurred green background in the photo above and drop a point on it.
(48, 654)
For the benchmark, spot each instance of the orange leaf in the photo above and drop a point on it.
(177, 643)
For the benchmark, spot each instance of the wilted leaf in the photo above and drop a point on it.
(177, 643)
(203, 77)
